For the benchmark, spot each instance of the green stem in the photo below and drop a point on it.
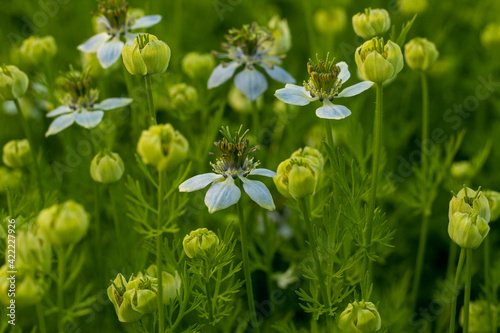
(329, 135)
(314, 249)
(209, 297)
(97, 222)
(255, 119)
(116, 219)
(135, 122)
(246, 268)
(151, 106)
(377, 129)
(425, 123)
(420, 258)
(487, 282)
(41, 318)
(453, 313)
(468, 280)
(159, 243)
(27, 132)
(61, 265)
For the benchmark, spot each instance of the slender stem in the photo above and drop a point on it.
(27, 132)
(97, 222)
(116, 219)
(255, 119)
(151, 106)
(487, 282)
(452, 257)
(61, 265)
(329, 135)
(425, 216)
(130, 86)
(314, 249)
(468, 280)
(246, 268)
(453, 313)
(41, 318)
(159, 242)
(209, 296)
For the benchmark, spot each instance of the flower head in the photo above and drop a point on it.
(79, 104)
(371, 23)
(35, 49)
(146, 55)
(17, 153)
(468, 230)
(494, 203)
(195, 64)
(251, 46)
(13, 83)
(468, 201)
(106, 167)
(325, 81)
(199, 241)
(360, 317)
(420, 54)
(118, 24)
(379, 62)
(234, 162)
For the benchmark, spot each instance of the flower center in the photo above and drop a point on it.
(323, 79)
(234, 159)
(78, 87)
(115, 11)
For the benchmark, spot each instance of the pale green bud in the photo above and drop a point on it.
(33, 251)
(162, 146)
(123, 306)
(106, 167)
(64, 223)
(312, 154)
(420, 54)
(478, 316)
(182, 96)
(411, 7)
(468, 230)
(371, 23)
(9, 179)
(28, 289)
(490, 36)
(199, 65)
(147, 55)
(331, 20)
(494, 203)
(142, 293)
(171, 283)
(297, 177)
(462, 170)
(280, 34)
(17, 153)
(378, 62)
(469, 201)
(13, 83)
(200, 241)
(35, 49)
(360, 317)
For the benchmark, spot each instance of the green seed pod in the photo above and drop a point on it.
(199, 65)
(182, 96)
(171, 283)
(64, 223)
(17, 153)
(123, 306)
(298, 176)
(146, 56)
(13, 83)
(371, 23)
(379, 62)
(33, 251)
(9, 179)
(469, 201)
(478, 316)
(468, 230)
(162, 146)
(106, 167)
(360, 317)
(493, 203)
(29, 290)
(142, 293)
(280, 33)
(420, 54)
(200, 241)
(462, 170)
(35, 50)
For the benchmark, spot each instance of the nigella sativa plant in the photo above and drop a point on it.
(324, 84)
(251, 47)
(117, 23)
(233, 163)
(79, 104)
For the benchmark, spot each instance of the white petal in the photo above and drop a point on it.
(146, 21)
(279, 74)
(332, 111)
(259, 193)
(104, 21)
(109, 52)
(59, 124)
(130, 37)
(59, 111)
(262, 172)
(251, 83)
(88, 119)
(344, 72)
(112, 103)
(198, 182)
(222, 195)
(221, 74)
(94, 42)
(295, 95)
(355, 89)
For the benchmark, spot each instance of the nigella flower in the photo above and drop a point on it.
(117, 24)
(251, 47)
(79, 104)
(232, 164)
(324, 85)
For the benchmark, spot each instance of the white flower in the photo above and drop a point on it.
(249, 47)
(324, 85)
(117, 23)
(88, 117)
(224, 192)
